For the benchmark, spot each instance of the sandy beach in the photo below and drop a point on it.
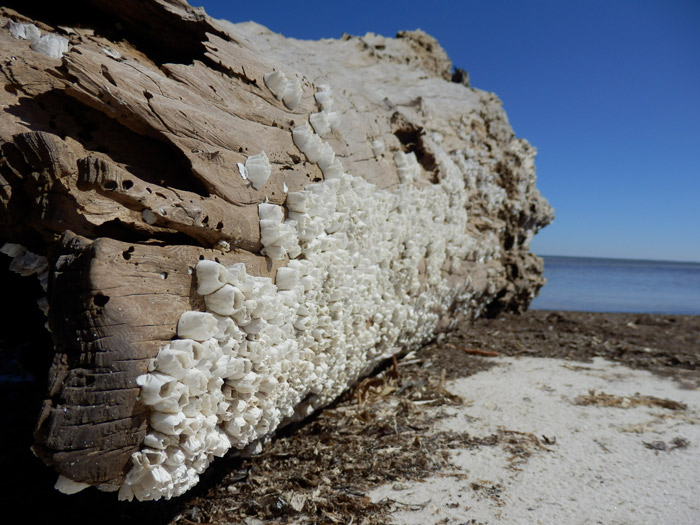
(547, 417)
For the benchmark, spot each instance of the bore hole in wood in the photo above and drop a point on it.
(100, 299)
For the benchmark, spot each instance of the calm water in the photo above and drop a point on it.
(618, 285)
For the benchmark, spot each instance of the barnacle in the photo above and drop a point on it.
(320, 123)
(288, 91)
(317, 151)
(377, 147)
(51, 45)
(258, 169)
(278, 236)
(407, 166)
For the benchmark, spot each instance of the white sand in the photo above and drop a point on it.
(598, 471)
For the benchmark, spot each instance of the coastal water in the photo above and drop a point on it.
(619, 285)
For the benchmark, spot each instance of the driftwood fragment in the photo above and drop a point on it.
(124, 154)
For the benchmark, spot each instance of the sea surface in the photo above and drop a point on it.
(619, 285)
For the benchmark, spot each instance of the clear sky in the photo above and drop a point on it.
(608, 91)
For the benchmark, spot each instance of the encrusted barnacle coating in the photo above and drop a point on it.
(264, 352)
(407, 166)
(278, 236)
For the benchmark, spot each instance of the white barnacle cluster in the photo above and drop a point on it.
(257, 170)
(325, 120)
(308, 137)
(366, 277)
(279, 237)
(222, 384)
(317, 151)
(407, 166)
(27, 263)
(288, 91)
(485, 181)
(51, 45)
(351, 298)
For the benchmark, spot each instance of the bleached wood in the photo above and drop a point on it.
(121, 167)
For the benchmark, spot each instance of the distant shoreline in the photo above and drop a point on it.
(594, 284)
(617, 259)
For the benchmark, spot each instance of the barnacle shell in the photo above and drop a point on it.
(377, 147)
(278, 237)
(407, 166)
(320, 123)
(258, 169)
(324, 97)
(288, 91)
(199, 326)
(148, 216)
(51, 45)
(292, 94)
(307, 141)
(68, 486)
(210, 277)
(276, 81)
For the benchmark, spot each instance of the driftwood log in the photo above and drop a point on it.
(140, 138)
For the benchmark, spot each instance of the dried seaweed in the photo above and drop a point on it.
(379, 432)
(602, 399)
(677, 442)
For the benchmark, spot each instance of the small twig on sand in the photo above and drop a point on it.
(394, 367)
(441, 388)
(475, 351)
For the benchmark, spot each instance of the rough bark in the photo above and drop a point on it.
(119, 164)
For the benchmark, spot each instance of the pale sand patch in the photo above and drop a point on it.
(594, 466)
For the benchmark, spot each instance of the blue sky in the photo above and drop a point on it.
(608, 91)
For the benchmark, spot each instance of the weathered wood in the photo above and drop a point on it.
(122, 162)
(113, 304)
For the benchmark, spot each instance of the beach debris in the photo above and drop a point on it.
(474, 351)
(485, 488)
(655, 445)
(658, 445)
(477, 351)
(333, 471)
(601, 399)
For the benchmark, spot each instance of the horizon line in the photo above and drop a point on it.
(619, 258)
